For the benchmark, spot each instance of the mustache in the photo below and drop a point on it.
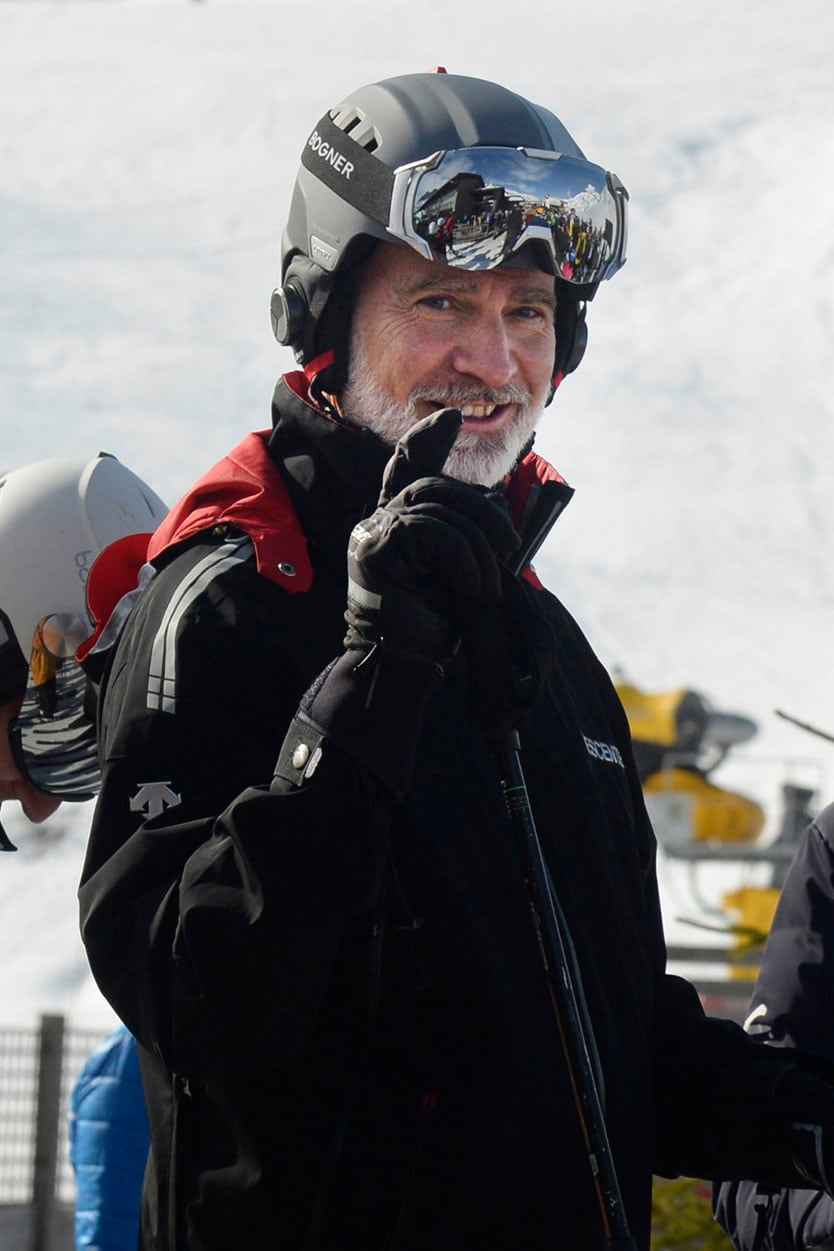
(454, 393)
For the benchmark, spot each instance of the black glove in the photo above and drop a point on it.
(509, 653)
(428, 559)
(809, 1105)
(784, 1114)
(421, 567)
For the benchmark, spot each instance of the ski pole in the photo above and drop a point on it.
(572, 1016)
(804, 725)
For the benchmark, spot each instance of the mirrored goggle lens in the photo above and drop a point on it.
(474, 208)
(54, 734)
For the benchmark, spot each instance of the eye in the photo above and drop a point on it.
(436, 301)
(534, 313)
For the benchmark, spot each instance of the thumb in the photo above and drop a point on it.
(421, 452)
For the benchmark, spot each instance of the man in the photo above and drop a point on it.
(347, 1037)
(792, 1005)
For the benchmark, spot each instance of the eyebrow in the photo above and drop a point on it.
(532, 293)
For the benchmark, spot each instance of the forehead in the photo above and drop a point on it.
(400, 268)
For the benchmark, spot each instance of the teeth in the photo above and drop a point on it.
(478, 411)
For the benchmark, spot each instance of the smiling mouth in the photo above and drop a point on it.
(477, 412)
(472, 411)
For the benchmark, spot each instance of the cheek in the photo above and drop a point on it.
(411, 358)
(539, 363)
(547, 359)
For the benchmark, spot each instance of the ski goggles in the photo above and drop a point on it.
(475, 208)
(53, 737)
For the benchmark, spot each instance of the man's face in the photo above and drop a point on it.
(13, 785)
(428, 336)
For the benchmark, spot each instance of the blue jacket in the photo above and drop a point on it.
(793, 1005)
(108, 1131)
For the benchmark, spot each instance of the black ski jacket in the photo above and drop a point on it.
(792, 1005)
(345, 1031)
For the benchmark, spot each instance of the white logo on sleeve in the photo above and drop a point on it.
(756, 1022)
(603, 751)
(153, 798)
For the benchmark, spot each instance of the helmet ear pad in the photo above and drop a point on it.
(288, 311)
(295, 306)
(312, 311)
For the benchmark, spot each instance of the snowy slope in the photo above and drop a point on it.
(146, 156)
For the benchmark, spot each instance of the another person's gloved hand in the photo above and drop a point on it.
(809, 1105)
(785, 1113)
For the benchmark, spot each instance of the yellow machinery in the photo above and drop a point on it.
(678, 740)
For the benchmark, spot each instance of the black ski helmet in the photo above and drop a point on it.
(343, 192)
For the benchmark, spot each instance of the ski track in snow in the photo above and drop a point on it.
(143, 183)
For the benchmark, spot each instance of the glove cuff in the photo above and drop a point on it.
(372, 705)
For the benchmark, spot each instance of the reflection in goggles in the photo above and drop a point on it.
(474, 208)
(54, 734)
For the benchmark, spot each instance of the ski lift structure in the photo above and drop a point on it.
(679, 740)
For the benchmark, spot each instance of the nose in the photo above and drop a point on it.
(484, 351)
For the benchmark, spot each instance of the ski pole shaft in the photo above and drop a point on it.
(804, 725)
(572, 1017)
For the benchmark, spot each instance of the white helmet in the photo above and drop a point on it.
(56, 516)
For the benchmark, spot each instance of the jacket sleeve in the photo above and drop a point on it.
(213, 902)
(793, 1005)
(793, 1002)
(724, 1104)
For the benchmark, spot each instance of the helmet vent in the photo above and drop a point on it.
(352, 122)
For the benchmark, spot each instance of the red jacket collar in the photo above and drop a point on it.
(246, 490)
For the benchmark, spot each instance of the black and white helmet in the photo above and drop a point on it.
(462, 170)
(56, 517)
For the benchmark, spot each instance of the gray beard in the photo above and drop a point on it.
(480, 459)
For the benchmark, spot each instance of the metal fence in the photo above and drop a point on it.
(38, 1067)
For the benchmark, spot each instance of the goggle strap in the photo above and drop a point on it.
(350, 171)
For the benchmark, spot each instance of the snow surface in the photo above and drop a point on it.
(147, 153)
